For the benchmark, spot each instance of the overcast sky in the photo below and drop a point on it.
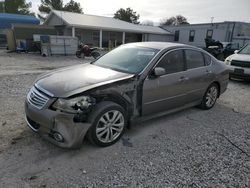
(196, 11)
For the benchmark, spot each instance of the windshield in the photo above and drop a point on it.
(245, 50)
(127, 59)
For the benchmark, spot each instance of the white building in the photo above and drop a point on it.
(101, 31)
(194, 34)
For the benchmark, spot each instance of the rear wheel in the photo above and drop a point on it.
(108, 124)
(210, 97)
(95, 54)
(80, 54)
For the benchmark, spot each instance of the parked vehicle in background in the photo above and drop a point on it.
(85, 51)
(220, 50)
(229, 48)
(239, 63)
(131, 82)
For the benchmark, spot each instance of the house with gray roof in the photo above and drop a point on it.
(101, 31)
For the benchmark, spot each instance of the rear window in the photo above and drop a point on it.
(194, 59)
(207, 59)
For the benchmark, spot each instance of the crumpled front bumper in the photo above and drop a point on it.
(47, 122)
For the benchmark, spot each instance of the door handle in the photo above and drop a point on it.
(183, 78)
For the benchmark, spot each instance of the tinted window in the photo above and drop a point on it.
(207, 59)
(172, 62)
(194, 59)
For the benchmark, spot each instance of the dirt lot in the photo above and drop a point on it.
(191, 148)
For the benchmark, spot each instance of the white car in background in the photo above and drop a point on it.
(239, 63)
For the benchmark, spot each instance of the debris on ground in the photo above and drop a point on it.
(235, 110)
(32, 178)
(126, 142)
(14, 140)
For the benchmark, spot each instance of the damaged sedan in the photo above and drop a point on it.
(135, 81)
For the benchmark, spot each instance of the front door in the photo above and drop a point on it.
(167, 91)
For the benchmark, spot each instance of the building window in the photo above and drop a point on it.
(191, 36)
(176, 35)
(209, 34)
(96, 36)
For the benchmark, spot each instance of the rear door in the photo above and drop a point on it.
(199, 73)
(167, 91)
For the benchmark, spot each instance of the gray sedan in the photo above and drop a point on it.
(134, 81)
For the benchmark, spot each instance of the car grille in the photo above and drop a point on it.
(37, 98)
(240, 63)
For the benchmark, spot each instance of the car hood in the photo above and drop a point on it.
(240, 57)
(76, 79)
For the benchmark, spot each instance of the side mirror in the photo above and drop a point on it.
(159, 71)
(236, 51)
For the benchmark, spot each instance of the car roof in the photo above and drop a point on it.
(158, 45)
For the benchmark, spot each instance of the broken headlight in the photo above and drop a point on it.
(74, 105)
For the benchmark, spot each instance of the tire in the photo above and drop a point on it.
(210, 97)
(106, 118)
(78, 54)
(95, 54)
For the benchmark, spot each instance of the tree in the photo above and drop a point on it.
(47, 5)
(73, 6)
(127, 15)
(16, 7)
(148, 22)
(174, 20)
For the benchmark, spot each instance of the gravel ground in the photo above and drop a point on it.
(191, 148)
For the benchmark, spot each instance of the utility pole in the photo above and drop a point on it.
(212, 20)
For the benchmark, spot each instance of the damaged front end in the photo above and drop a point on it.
(79, 106)
(60, 121)
(65, 121)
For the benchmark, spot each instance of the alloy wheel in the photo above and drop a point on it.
(211, 96)
(110, 126)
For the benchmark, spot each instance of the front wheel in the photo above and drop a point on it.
(108, 123)
(79, 54)
(210, 97)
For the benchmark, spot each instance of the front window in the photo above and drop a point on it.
(127, 59)
(172, 62)
(245, 50)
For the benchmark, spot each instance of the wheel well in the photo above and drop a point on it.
(118, 100)
(218, 84)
